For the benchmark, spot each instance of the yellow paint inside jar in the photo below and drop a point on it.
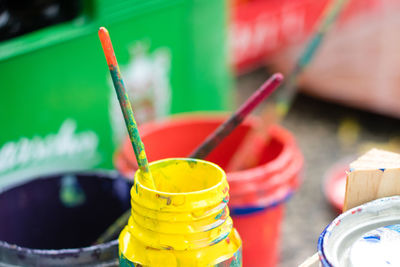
(185, 222)
(185, 176)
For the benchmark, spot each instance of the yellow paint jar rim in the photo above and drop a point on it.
(184, 159)
(181, 201)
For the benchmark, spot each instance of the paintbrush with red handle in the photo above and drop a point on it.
(226, 128)
(247, 156)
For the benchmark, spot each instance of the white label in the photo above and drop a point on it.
(66, 149)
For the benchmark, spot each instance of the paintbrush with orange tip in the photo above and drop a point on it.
(131, 126)
(126, 107)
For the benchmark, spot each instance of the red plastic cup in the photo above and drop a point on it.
(256, 194)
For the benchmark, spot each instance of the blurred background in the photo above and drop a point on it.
(59, 112)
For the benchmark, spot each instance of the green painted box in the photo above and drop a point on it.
(58, 109)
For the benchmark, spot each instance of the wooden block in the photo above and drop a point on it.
(374, 175)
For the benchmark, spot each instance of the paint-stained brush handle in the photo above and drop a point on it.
(113, 230)
(247, 154)
(126, 107)
(288, 90)
(229, 125)
(131, 126)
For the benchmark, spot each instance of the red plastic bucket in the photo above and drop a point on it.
(260, 233)
(256, 194)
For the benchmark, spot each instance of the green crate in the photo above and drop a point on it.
(58, 107)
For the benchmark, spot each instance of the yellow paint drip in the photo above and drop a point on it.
(142, 155)
(185, 222)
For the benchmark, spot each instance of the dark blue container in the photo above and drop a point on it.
(54, 220)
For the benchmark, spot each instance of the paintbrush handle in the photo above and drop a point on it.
(229, 125)
(248, 155)
(287, 93)
(126, 107)
(328, 18)
(113, 230)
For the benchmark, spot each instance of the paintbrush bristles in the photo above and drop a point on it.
(126, 108)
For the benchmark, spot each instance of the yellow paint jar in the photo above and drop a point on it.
(185, 222)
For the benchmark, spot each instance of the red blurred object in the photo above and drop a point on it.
(260, 28)
(261, 234)
(274, 179)
(257, 194)
(334, 186)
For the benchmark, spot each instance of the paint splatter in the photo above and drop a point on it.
(166, 198)
(219, 238)
(348, 132)
(372, 238)
(221, 215)
(394, 227)
(234, 261)
(71, 193)
(378, 247)
(168, 248)
(192, 162)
